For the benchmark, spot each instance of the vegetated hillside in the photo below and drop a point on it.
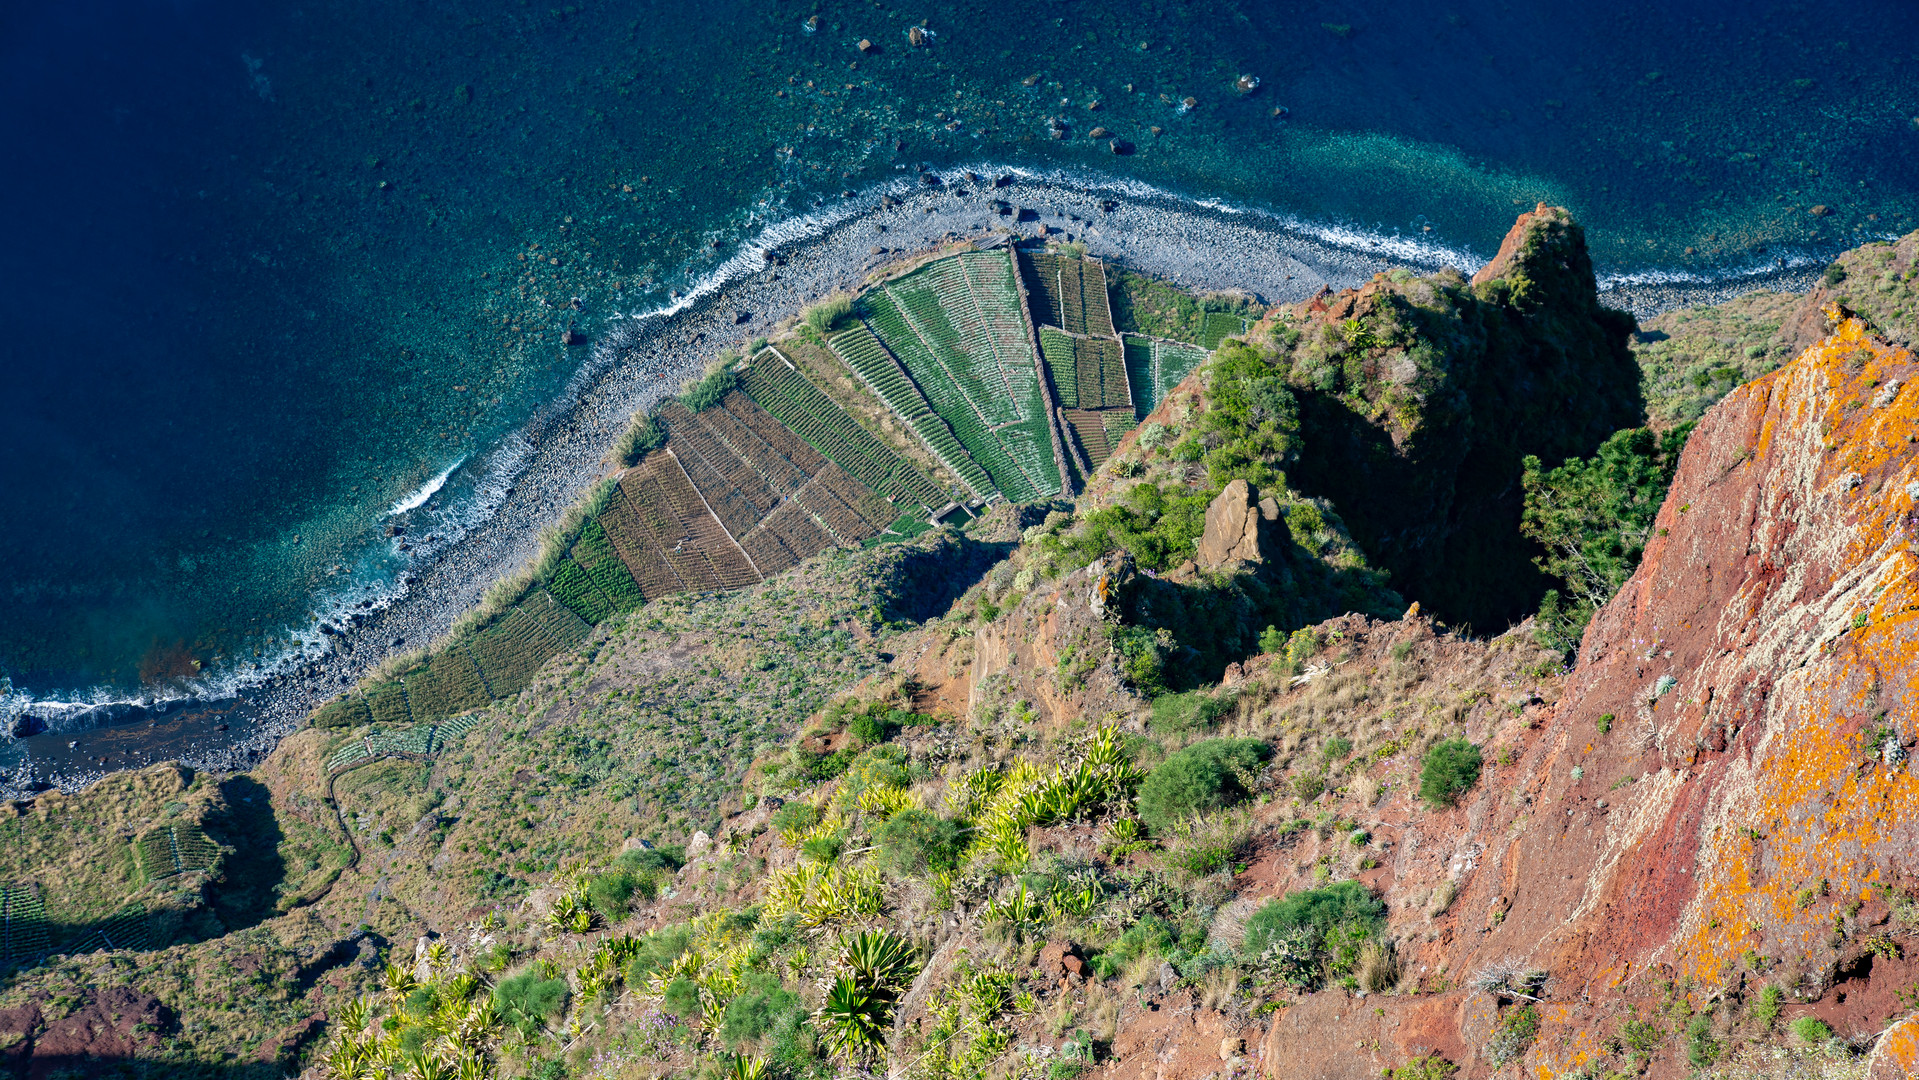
(1101, 790)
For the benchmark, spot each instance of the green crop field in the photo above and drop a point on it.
(595, 554)
(450, 683)
(574, 587)
(1154, 366)
(24, 918)
(778, 387)
(387, 704)
(955, 324)
(863, 351)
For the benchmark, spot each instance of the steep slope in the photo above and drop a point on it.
(1420, 396)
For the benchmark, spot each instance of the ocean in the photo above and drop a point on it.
(280, 274)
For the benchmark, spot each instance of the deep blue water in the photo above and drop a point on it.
(266, 265)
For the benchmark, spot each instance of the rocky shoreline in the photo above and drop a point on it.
(639, 360)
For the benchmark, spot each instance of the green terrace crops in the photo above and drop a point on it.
(1217, 326)
(498, 662)
(957, 327)
(881, 371)
(176, 848)
(1154, 366)
(1069, 293)
(778, 387)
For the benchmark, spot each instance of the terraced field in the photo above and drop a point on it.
(1154, 366)
(957, 327)
(1069, 293)
(778, 470)
(778, 387)
(23, 924)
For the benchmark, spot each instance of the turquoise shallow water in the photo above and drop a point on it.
(276, 268)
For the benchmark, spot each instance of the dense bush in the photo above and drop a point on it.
(1316, 933)
(527, 1001)
(795, 817)
(1451, 766)
(641, 437)
(708, 391)
(1159, 526)
(1195, 710)
(609, 893)
(1811, 1029)
(656, 950)
(682, 999)
(920, 841)
(1593, 517)
(763, 1002)
(1203, 777)
(824, 316)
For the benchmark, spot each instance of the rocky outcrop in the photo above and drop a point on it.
(1723, 797)
(1419, 397)
(1240, 529)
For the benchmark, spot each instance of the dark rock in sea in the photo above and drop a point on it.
(1108, 205)
(1003, 180)
(741, 318)
(917, 36)
(1098, 133)
(930, 179)
(1120, 146)
(1002, 207)
(576, 304)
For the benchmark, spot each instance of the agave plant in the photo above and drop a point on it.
(746, 1068)
(459, 988)
(438, 955)
(398, 982)
(478, 1026)
(1019, 914)
(879, 960)
(471, 1067)
(852, 1020)
(881, 802)
(354, 1014)
(1063, 904)
(346, 1058)
(570, 915)
(428, 1067)
(1126, 830)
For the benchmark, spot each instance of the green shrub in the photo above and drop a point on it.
(1338, 748)
(828, 313)
(1811, 1029)
(708, 391)
(1195, 710)
(609, 893)
(1271, 640)
(762, 1003)
(873, 727)
(682, 999)
(1315, 913)
(1593, 517)
(824, 850)
(1642, 1036)
(1203, 777)
(919, 842)
(1432, 1067)
(528, 1001)
(1701, 1048)
(796, 817)
(1765, 1009)
(641, 437)
(1150, 936)
(1451, 766)
(657, 950)
(1516, 1031)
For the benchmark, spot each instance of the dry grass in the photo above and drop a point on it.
(1220, 989)
(1378, 969)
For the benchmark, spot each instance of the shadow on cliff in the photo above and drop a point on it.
(1421, 397)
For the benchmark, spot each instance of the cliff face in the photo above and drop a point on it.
(1723, 797)
(1420, 396)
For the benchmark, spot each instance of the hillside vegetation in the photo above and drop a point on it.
(1173, 777)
